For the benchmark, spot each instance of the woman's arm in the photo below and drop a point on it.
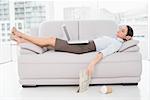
(92, 64)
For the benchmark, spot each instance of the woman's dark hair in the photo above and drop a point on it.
(130, 31)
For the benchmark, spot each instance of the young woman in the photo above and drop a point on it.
(103, 45)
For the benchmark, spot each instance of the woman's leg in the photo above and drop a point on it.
(18, 39)
(50, 41)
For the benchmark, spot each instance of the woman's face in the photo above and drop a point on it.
(121, 33)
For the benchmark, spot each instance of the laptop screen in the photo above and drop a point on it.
(64, 28)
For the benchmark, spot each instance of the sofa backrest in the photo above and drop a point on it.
(34, 31)
(78, 30)
(54, 28)
(95, 28)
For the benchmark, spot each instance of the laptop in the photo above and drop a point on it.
(64, 29)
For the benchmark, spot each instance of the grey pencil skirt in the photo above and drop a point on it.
(63, 46)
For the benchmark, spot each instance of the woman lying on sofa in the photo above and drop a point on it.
(103, 45)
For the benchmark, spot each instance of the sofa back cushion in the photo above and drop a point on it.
(54, 28)
(91, 29)
(34, 31)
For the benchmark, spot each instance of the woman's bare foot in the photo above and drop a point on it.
(14, 31)
(18, 39)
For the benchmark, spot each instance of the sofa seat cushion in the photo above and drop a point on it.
(67, 65)
(55, 65)
(63, 57)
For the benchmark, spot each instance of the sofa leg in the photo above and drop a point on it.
(125, 84)
(29, 86)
